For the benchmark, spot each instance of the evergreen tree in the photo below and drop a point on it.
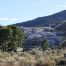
(45, 45)
(11, 37)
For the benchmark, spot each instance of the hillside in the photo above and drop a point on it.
(61, 27)
(52, 20)
(50, 27)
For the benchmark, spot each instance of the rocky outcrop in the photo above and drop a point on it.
(35, 36)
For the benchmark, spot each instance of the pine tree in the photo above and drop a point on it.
(11, 37)
(45, 45)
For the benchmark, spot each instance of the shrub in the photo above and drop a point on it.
(11, 38)
(45, 45)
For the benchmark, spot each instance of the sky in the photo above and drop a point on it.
(15, 11)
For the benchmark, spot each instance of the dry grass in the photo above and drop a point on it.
(32, 58)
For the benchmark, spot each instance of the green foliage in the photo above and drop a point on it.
(11, 38)
(63, 44)
(45, 45)
(59, 46)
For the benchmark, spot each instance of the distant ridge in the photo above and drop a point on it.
(52, 20)
(61, 27)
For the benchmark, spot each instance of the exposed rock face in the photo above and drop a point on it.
(35, 35)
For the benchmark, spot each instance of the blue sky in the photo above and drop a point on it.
(15, 11)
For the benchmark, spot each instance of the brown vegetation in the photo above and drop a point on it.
(32, 58)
